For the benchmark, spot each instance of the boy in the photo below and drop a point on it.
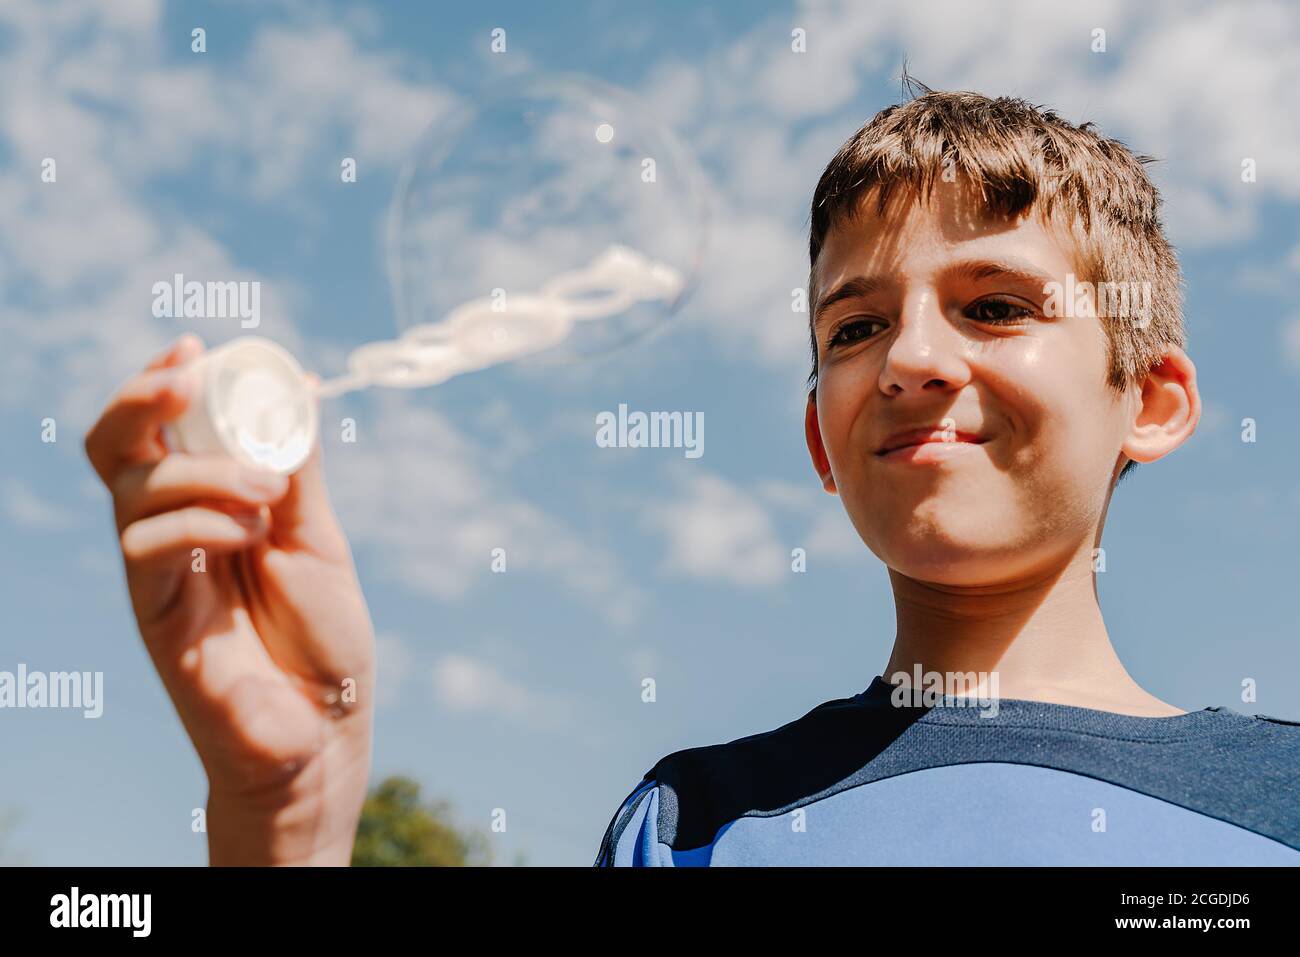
(973, 409)
(973, 402)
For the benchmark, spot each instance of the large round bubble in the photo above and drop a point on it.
(551, 221)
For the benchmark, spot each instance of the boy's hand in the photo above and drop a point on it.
(246, 597)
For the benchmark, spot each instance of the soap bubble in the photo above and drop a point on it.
(551, 221)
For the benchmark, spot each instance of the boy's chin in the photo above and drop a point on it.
(952, 560)
(965, 571)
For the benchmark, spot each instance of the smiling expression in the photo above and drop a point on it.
(931, 318)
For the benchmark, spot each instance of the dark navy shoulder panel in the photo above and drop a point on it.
(703, 788)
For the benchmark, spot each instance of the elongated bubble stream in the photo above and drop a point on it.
(487, 332)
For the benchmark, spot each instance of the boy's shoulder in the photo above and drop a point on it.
(703, 787)
(690, 793)
(719, 776)
(1203, 762)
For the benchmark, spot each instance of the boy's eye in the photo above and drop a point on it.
(989, 311)
(997, 311)
(854, 330)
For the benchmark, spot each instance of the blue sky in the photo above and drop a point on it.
(522, 691)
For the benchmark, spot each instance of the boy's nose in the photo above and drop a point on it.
(926, 351)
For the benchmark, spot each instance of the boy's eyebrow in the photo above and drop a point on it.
(1019, 270)
(974, 270)
(859, 287)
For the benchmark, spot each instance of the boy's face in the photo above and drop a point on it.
(949, 331)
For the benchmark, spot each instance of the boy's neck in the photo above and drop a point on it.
(1043, 637)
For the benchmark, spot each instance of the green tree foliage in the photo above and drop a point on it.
(396, 830)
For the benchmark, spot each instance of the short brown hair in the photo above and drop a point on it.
(1019, 155)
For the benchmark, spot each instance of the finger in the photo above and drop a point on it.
(179, 479)
(182, 350)
(176, 534)
(127, 431)
(303, 518)
(98, 442)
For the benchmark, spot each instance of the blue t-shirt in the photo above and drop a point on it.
(861, 781)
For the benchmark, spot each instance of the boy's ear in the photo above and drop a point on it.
(813, 432)
(1169, 409)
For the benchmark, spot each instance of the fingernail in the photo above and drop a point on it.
(178, 345)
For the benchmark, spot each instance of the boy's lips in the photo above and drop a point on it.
(924, 436)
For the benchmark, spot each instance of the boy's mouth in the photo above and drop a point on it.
(911, 437)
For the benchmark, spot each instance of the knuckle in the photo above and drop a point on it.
(129, 541)
(125, 484)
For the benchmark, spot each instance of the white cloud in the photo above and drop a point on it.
(466, 685)
(830, 534)
(833, 537)
(842, 49)
(101, 89)
(1196, 85)
(800, 496)
(99, 93)
(301, 84)
(717, 531)
(1194, 214)
(432, 504)
(96, 88)
(754, 263)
